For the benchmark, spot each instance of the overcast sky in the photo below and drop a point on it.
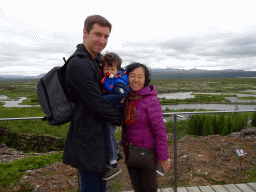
(184, 34)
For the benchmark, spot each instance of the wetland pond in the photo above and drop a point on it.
(14, 102)
(219, 107)
(178, 95)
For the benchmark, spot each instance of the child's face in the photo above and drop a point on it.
(110, 69)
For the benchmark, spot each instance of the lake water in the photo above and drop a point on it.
(14, 103)
(187, 95)
(177, 95)
(219, 107)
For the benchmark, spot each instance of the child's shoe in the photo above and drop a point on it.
(112, 171)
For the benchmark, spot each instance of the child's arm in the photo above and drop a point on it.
(120, 90)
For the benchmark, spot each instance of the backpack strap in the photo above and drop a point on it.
(75, 54)
(62, 73)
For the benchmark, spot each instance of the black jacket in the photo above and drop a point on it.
(85, 147)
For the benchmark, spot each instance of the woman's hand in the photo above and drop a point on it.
(165, 164)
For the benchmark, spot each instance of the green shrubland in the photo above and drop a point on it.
(11, 173)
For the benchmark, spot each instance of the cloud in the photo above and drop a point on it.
(232, 47)
(244, 46)
(182, 45)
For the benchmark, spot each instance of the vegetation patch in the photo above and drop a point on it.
(199, 98)
(247, 98)
(208, 124)
(11, 173)
(251, 176)
(116, 186)
(204, 85)
(31, 100)
(37, 127)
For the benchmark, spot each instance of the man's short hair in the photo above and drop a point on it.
(110, 59)
(91, 20)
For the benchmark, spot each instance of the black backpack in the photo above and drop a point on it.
(53, 96)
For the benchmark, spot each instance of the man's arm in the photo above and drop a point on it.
(82, 74)
(120, 90)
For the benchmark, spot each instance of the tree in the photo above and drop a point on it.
(220, 124)
(229, 124)
(253, 122)
(207, 127)
(214, 123)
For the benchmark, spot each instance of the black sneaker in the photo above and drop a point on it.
(112, 171)
(119, 156)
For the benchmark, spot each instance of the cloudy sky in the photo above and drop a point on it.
(184, 34)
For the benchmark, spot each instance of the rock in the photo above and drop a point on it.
(248, 131)
(235, 134)
(39, 143)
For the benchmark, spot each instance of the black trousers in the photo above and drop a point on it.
(143, 180)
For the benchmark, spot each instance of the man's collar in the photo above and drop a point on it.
(82, 48)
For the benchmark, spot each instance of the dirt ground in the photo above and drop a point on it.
(201, 161)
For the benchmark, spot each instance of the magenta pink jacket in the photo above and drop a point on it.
(149, 131)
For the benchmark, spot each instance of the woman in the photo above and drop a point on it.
(144, 126)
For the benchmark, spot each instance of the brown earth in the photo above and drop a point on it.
(202, 161)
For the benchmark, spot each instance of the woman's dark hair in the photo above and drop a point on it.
(132, 66)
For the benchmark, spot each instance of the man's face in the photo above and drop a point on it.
(97, 39)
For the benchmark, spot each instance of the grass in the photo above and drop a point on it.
(13, 171)
(204, 85)
(222, 182)
(251, 176)
(37, 127)
(167, 110)
(182, 127)
(118, 134)
(116, 186)
(14, 90)
(247, 98)
(199, 98)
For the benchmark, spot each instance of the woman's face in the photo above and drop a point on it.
(136, 79)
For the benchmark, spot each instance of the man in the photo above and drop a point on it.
(85, 146)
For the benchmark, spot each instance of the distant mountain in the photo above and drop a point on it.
(17, 77)
(164, 74)
(13, 76)
(175, 73)
(166, 69)
(21, 76)
(41, 75)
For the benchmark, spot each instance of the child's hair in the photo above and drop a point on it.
(110, 59)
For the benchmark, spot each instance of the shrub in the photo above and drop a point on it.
(253, 122)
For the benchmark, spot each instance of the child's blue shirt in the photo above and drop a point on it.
(116, 87)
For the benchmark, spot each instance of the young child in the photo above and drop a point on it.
(115, 89)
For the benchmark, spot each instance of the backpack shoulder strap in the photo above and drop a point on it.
(62, 73)
(75, 54)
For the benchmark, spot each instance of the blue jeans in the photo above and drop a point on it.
(111, 141)
(92, 181)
